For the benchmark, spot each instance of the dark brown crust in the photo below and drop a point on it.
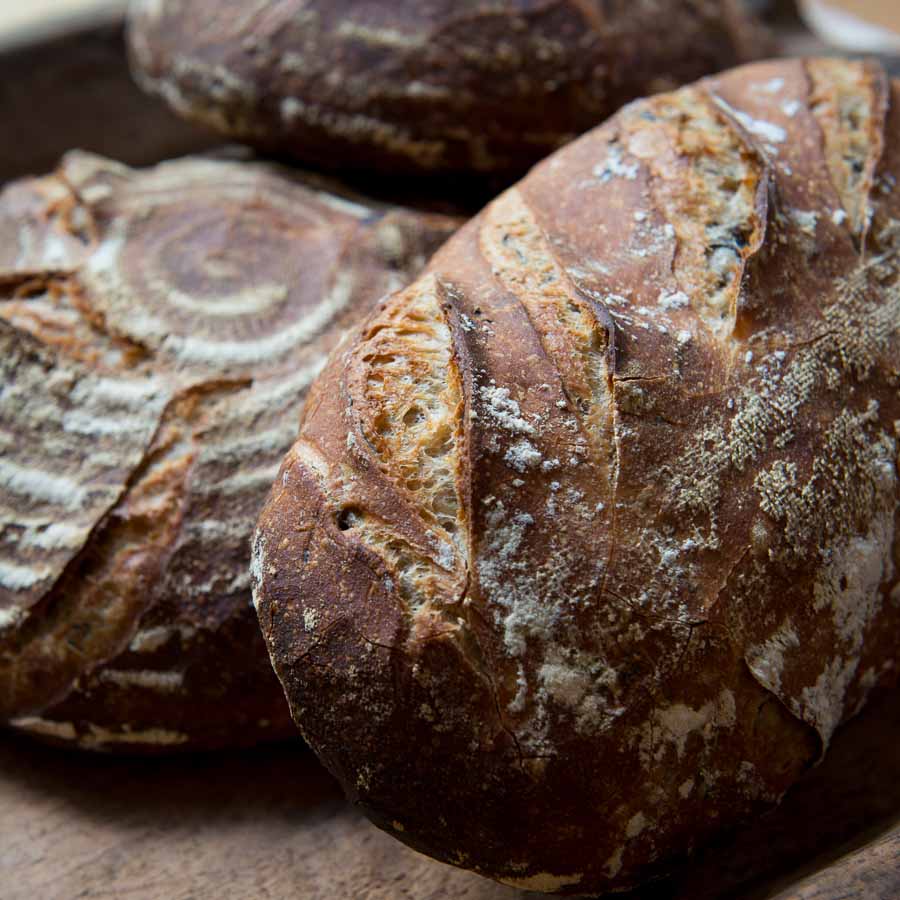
(675, 561)
(425, 87)
(159, 331)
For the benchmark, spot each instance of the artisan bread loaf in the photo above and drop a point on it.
(422, 87)
(159, 329)
(589, 542)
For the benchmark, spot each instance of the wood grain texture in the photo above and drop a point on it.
(871, 873)
(272, 824)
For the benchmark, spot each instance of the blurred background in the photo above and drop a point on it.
(64, 78)
(842, 20)
(861, 25)
(26, 19)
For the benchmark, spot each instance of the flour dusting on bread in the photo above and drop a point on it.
(672, 385)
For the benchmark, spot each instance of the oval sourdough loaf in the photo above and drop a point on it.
(589, 541)
(159, 329)
(425, 85)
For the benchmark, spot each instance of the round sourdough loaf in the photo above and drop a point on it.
(425, 85)
(589, 541)
(159, 329)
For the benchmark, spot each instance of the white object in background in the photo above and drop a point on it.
(847, 30)
(30, 21)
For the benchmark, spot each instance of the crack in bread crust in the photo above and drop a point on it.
(678, 349)
(849, 103)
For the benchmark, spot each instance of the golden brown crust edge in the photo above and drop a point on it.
(610, 585)
(160, 328)
(425, 87)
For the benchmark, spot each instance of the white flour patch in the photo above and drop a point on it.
(636, 824)
(151, 639)
(45, 727)
(20, 578)
(162, 682)
(768, 131)
(671, 727)
(36, 484)
(11, 616)
(615, 166)
(766, 660)
(501, 409)
(522, 456)
(673, 300)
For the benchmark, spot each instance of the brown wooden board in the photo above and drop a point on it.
(272, 823)
(872, 872)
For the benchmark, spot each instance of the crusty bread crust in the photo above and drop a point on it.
(665, 567)
(425, 86)
(158, 330)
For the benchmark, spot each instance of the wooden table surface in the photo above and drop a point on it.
(272, 824)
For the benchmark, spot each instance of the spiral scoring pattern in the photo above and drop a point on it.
(162, 329)
(240, 271)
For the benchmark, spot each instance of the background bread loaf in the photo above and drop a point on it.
(436, 86)
(589, 542)
(159, 329)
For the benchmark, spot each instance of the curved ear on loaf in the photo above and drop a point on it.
(663, 568)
